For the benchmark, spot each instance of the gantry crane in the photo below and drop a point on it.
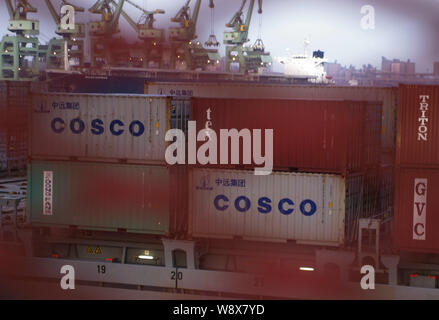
(19, 54)
(104, 48)
(250, 58)
(72, 41)
(152, 38)
(185, 48)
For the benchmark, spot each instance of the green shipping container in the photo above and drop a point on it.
(111, 197)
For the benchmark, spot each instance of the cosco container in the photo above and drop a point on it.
(308, 208)
(385, 95)
(416, 210)
(109, 197)
(418, 126)
(101, 127)
(308, 135)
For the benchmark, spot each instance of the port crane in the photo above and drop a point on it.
(19, 54)
(105, 49)
(152, 38)
(185, 49)
(72, 41)
(249, 58)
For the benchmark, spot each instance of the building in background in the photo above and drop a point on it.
(393, 71)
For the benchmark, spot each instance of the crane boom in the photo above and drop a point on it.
(249, 13)
(196, 12)
(143, 10)
(236, 19)
(109, 17)
(53, 12)
(10, 8)
(187, 29)
(241, 28)
(117, 12)
(182, 13)
(130, 21)
(77, 9)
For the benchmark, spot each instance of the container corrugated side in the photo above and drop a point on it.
(100, 127)
(97, 196)
(418, 126)
(387, 96)
(15, 94)
(314, 211)
(312, 136)
(416, 210)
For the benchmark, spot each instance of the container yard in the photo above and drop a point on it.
(171, 168)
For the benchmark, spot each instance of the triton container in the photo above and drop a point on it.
(387, 96)
(310, 136)
(91, 127)
(109, 197)
(417, 170)
(418, 127)
(308, 208)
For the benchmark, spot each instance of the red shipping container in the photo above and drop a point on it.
(418, 126)
(416, 208)
(309, 135)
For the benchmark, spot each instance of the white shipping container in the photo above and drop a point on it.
(97, 126)
(307, 208)
(386, 95)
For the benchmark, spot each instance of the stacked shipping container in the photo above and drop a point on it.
(316, 137)
(15, 101)
(386, 96)
(380, 195)
(341, 137)
(417, 169)
(97, 163)
(311, 136)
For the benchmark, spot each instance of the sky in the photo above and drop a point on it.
(404, 29)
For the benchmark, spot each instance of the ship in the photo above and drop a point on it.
(306, 66)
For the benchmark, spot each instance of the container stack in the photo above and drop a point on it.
(15, 101)
(97, 162)
(417, 169)
(326, 164)
(387, 96)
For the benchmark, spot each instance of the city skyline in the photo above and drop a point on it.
(404, 29)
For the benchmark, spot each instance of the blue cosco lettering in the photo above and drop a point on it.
(281, 206)
(81, 127)
(312, 205)
(97, 127)
(238, 202)
(140, 128)
(264, 205)
(217, 204)
(60, 128)
(286, 206)
(113, 124)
